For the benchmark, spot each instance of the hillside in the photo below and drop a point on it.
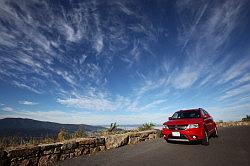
(34, 128)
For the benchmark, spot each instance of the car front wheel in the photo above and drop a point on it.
(215, 132)
(205, 140)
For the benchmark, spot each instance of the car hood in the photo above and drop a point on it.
(183, 121)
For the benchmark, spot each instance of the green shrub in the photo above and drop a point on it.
(146, 126)
(247, 118)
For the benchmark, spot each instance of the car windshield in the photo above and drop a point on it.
(186, 114)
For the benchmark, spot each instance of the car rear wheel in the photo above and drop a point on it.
(205, 140)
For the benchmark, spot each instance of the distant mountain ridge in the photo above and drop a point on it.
(34, 128)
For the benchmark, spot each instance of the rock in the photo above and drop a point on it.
(79, 151)
(23, 152)
(152, 136)
(69, 145)
(134, 134)
(86, 141)
(94, 150)
(114, 141)
(24, 162)
(57, 150)
(102, 148)
(50, 148)
(64, 156)
(71, 155)
(48, 160)
(134, 140)
(86, 150)
(100, 141)
(3, 154)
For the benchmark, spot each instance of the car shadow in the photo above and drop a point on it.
(185, 143)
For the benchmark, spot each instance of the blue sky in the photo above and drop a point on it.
(129, 62)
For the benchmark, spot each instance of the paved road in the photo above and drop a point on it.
(232, 148)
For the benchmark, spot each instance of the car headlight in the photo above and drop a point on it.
(165, 126)
(192, 126)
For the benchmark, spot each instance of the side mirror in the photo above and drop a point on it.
(206, 116)
(170, 118)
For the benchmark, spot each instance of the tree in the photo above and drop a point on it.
(113, 127)
(247, 118)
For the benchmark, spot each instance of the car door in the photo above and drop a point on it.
(208, 121)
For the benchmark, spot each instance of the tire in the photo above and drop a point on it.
(205, 140)
(215, 133)
(167, 140)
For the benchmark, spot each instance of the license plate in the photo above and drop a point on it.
(176, 134)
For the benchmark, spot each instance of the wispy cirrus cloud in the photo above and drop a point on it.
(185, 79)
(236, 70)
(211, 35)
(26, 102)
(8, 109)
(55, 33)
(88, 103)
(236, 91)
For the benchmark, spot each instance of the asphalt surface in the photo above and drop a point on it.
(232, 148)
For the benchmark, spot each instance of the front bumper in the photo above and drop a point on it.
(185, 135)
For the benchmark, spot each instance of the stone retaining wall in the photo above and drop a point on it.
(49, 154)
(230, 124)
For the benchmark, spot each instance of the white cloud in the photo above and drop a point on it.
(229, 113)
(152, 104)
(235, 70)
(25, 102)
(124, 8)
(213, 26)
(66, 76)
(8, 109)
(88, 103)
(185, 79)
(98, 45)
(70, 33)
(244, 78)
(235, 92)
(21, 85)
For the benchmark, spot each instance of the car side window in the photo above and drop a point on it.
(175, 116)
(204, 112)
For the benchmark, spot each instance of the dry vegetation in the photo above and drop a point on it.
(27, 141)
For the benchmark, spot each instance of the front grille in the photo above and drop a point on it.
(177, 127)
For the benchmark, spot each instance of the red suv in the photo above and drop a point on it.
(190, 125)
